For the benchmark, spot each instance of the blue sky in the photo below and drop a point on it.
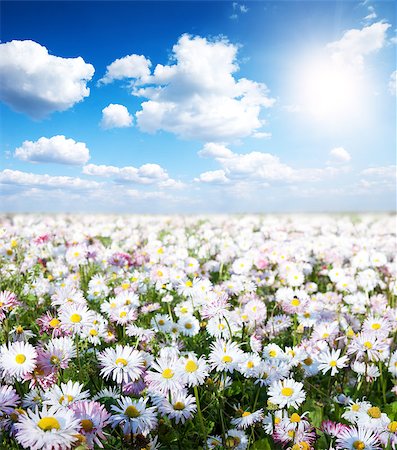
(164, 107)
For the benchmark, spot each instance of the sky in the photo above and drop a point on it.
(197, 107)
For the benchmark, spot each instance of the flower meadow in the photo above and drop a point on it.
(218, 332)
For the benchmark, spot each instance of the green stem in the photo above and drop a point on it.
(200, 416)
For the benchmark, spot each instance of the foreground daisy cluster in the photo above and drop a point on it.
(246, 332)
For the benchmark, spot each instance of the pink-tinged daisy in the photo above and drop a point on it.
(236, 440)
(93, 418)
(8, 301)
(51, 325)
(47, 429)
(389, 435)
(359, 438)
(123, 364)
(333, 429)
(133, 416)
(286, 393)
(8, 399)
(18, 359)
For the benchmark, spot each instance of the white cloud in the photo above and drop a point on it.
(259, 167)
(116, 116)
(238, 8)
(18, 178)
(381, 171)
(392, 83)
(57, 149)
(215, 150)
(340, 155)
(146, 174)
(131, 66)
(198, 96)
(262, 135)
(213, 177)
(356, 44)
(36, 83)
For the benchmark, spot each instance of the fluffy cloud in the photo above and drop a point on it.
(131, 66)
(259, 167)
(57, 149)
(116, 116)
(356, 44)
(213, 177)
(340, 155)
(198, 96)
(36, 83)
(214, 150)
(18, 178)
(146, 174)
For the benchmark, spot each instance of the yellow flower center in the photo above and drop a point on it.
(367, 345)
(188, 283)
(375, 326)
(54, 323)
(295, 302)
(273, 353)
(277, 420)
(188, 326)
(54, 360)
(19, 329)
(250, 364)
(179, 406)
(227, 359)
(93, 332)
(221, 326)
(287, 392)
(125, 286)
(355, 407)
(392, 426)
(295, 418)
(359, 445)
(332, 363)
(167, 373)
(48, 424)
(325, 335)
(20, 359)
(374, 412)
(68, 397)
(161, 322)
(245, 414)
(191, 366)
(132, 412)
(121, 361)
(308, 361)
(183, 310)
(87, 425)
(123, 313)
(75, 318)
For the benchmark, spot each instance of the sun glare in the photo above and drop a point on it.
(329, 91)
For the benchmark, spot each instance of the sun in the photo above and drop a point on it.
(329, 90)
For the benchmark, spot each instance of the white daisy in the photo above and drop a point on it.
(134, 416)
(47, 429)
(286, 393)
(357, 439)
(180, 407)
(65, 395)
(122, 364)
(331, 360)
(18, 359)
(225, 355)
